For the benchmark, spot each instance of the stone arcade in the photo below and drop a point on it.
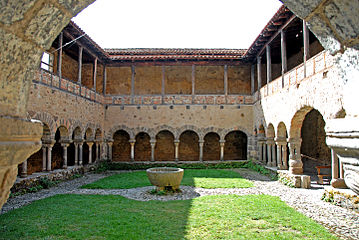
(269, 102)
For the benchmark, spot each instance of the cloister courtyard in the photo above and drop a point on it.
(213, 204)
(267, 136)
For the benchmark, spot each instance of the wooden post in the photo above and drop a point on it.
(193, 81)
(59, 57)
(252, 79)
(283, 46)
(94, 74)
(306, 54)
(163, 84)
(225, 79)
(269, 64)
(132, 83)
(259, 72)
(79, 78)
(104, 79)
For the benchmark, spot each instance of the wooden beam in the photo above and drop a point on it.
(252, 78)
(193, 80)
(81, 45)
(269, 64)
(259, 72)
(133, 69)
(306, 54)
(104, 80)
(276, 34)
(283, 45)
(79, 77)
(59, 56)
(225, 79)
(94, 74)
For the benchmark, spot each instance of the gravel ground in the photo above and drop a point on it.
(342, 222)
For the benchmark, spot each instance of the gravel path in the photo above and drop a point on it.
(342, 222)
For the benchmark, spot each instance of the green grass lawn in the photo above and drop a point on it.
(115, 217)
(205, 178)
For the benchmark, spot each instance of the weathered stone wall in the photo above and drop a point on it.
(118, 80)
(211, 148)
(148, 80)
(142, 147)
(64, 109)
(321, 90)
(121, 147)
(69, 67)
(209, 80)
(178, 117)
(239, 79)
(178, 79)
(87, 75)
(165, 148)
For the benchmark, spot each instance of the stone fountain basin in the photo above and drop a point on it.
(165, 177)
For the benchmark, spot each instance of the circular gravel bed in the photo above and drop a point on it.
(342, 222)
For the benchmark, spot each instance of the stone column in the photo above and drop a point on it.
(295, 159)
(281, 145)
(109, 145)
(337, 181)
(221, 144)
(176, 142)
(269, 148)
(43, 158)
(260, 150)
(274, 163)
(132, 143)
(264, 152)
(153, 145)
(97, 149)
(80, 153)
(279, 156)
(284, 157)
(23, 173)
(201, 144)
(90, 144)
(49, 156)
(76, 154)
(64, 146)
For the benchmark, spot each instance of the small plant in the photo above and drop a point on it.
(103, 166)
(286, 182)
(77, 175)
(47, 183)
(328, 197)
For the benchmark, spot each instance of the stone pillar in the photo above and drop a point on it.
(337, 181)
(97, 149)
(43, 158)
(295, 159)
(201, 144)
(153, 145)
(24, 169)
(279, 156)
(90, 144)
(64, 146)
(260, 150)
(269, 149)
(274, 159)
(49, 156)
(132, 143)
(109, 145)
(281, 147)
(264, 152)
(335, 165)
(176, 142)
(221, 144)
(80, 153)
(284, 157)
(76, 154)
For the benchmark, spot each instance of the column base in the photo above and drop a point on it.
(338, 183)
(343, 137)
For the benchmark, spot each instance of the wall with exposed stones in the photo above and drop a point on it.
(321, 90)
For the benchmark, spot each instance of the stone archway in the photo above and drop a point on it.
(314, 149)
